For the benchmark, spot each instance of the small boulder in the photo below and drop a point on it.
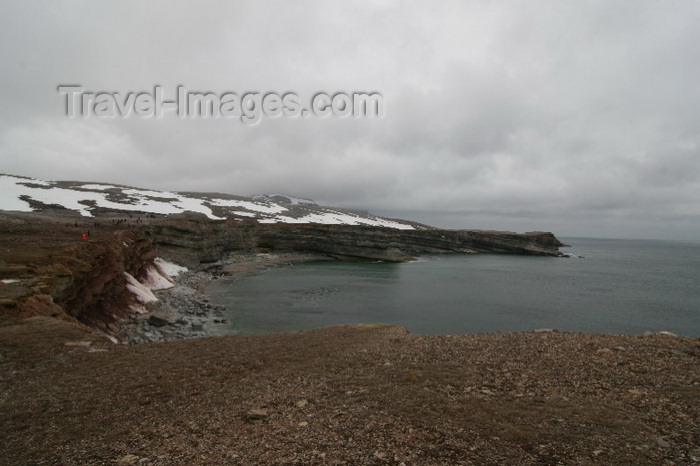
(256, 414)
(662, 443)
(157, 321)
(128, 460)
(301, 403)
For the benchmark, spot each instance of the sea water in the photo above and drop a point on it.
(610, 286)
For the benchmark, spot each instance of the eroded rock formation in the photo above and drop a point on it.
(203, 241)
(55, 268)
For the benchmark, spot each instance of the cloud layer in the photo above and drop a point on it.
(577, 117)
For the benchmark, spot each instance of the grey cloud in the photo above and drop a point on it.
(577, 117)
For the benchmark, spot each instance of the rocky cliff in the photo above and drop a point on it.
(48, 268)
(202, 241)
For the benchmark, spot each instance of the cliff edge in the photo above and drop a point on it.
(98, 273)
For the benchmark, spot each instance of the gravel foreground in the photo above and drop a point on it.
(369, 394)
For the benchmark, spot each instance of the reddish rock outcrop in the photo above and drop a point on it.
(52, 271)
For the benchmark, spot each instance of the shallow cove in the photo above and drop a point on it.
(618, 286)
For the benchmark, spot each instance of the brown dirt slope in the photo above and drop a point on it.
(347, 395)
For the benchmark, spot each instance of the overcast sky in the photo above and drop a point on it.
(582, 118)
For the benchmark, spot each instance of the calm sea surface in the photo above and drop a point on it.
(617, 286)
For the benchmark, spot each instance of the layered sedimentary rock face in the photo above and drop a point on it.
(207, 241)
(93, 272)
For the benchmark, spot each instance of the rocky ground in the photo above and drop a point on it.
(181, 312)
(342, 395)
(347, 395)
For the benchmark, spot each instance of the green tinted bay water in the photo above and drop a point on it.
(616, 286)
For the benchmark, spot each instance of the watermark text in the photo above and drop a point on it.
(249, 107)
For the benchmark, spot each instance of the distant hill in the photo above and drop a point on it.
(91, 199)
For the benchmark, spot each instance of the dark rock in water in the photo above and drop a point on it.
(157, 321)
(197, 327)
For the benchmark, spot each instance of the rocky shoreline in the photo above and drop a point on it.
(185, 311)
(181, 312)
(102, 275)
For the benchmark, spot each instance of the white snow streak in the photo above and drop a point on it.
(168, 268)
(83, 198)
(141, 292)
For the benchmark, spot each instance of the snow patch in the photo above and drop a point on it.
(83, 198)
(284, 199)
(38, 181)
(10, 191)
(267, 208)
(97, 187)
(336, 218)
(12, 188)
(168, 268)
(156, 280)
(148, 193)
(196, 205)
(140, 291)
